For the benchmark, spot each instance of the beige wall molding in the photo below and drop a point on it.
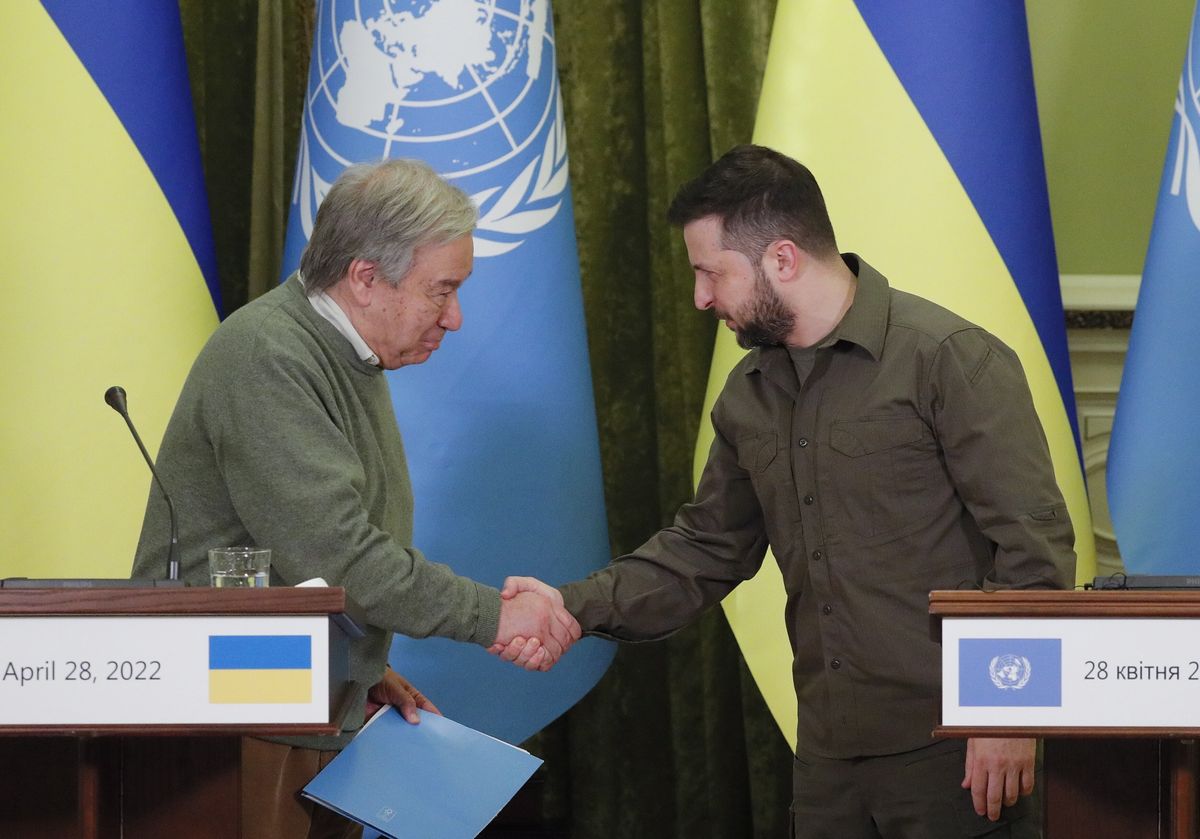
(1100, 292)
(1097, 358)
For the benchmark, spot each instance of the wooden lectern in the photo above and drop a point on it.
(121, 710)
(1110, 679)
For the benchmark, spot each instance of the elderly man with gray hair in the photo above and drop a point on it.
(284, 436)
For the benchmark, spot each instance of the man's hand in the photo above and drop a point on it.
(523, 652)
(998, 770)
(535, 627)
(396, 690)
(515, 585)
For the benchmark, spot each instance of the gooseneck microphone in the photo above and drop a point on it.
(115, 397)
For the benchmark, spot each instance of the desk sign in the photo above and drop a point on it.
(163, 670)
(1071, 673)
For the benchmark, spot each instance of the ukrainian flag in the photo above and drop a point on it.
(260, 669)
(109, 274)
(919, 121)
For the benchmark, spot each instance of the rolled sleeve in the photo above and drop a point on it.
(998, 458)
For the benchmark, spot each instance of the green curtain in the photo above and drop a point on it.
(675, 740)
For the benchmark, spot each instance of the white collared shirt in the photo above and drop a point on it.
(328, 308)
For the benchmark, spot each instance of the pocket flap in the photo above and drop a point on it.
(859, 437)
(756, 451)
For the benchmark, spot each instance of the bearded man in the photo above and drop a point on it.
(882, 447)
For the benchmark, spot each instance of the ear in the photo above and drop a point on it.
(784, 259)
(360, 281)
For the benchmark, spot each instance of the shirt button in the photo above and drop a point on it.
(816, 555)
(802, 442)
(836, 664)
(808, 499)
(827, 608)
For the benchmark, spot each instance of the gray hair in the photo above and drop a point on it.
(382, 212)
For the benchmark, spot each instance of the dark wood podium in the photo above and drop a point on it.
(1127, 772)
(178, 772)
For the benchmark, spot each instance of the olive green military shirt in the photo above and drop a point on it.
(908, 459)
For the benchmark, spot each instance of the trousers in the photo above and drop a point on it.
(272, 776)
(912, 795)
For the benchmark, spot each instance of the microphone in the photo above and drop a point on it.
(115, 397)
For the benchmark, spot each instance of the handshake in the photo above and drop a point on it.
(535, 627)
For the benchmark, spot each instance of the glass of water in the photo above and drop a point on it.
(239, 567)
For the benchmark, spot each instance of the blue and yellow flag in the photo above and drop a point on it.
(109, 271)
(1153, 473)
(499, 426)
(260, 669)
(918, 120)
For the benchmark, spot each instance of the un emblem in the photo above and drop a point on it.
(1185, 176)
(1010, 672)
(469, 86)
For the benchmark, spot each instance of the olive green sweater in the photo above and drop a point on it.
(283, 438)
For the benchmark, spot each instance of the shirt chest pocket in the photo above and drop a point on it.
(757, 450)
(758, 453)
(887, 474)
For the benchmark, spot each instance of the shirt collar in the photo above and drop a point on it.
(864, 324)
(328, 308)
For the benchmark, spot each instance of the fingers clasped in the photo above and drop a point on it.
(535, 627)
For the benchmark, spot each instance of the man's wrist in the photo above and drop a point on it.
(487, 621)
(574, 601)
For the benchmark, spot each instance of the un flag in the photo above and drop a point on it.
(1154, 456)
(500, 425)
(1006, 672)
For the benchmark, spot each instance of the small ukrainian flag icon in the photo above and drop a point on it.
(260, 669)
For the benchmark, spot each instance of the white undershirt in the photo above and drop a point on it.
(328, 308)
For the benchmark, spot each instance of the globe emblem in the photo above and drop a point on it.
(469, 86)
(1010, 672)
(1185, 177)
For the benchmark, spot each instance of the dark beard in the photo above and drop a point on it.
(768, 321)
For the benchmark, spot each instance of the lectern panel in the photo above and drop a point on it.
(1062, 673)
(163, 670)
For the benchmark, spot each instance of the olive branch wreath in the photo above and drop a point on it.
(513, 213)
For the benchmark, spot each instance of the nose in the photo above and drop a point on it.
(702, 294)
(452, 317)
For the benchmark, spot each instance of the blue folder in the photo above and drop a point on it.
(435, 780)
